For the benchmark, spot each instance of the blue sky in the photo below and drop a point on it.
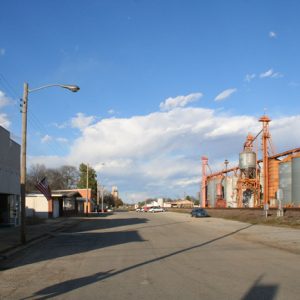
(162, 83)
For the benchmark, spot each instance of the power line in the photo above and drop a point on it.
(34, 121)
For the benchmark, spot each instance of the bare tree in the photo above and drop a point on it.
(65, 177)
(36, 173)
(70, 176)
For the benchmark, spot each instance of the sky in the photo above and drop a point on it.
(162, 83)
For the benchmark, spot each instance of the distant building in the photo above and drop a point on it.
(183, 204)
(151, 203)
(9, 179)
(115, 192)
(160, 202)
(63, 203)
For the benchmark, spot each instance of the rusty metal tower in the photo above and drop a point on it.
(265, 142)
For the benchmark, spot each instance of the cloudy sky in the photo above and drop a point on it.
(162, 84)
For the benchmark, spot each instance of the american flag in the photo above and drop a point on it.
(44, 188)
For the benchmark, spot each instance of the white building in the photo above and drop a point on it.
(37, 205)
(9, 179)
(63, 203)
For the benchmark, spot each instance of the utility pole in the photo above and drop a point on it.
(98, 196)
(87, 190)
(23, 164)
(26, 91)
(102, 191)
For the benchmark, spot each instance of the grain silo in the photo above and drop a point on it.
(273, 180)
(295, 170)
(285, 180)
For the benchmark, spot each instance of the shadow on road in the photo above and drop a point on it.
(106, 275)
(261, 291)
(67, 286)
(96, 223)
(79, 239)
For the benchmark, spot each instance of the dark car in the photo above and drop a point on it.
(199, 213)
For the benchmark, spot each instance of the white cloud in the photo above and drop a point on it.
(46, 138)
(250, 77)
(270, 73)
(2, 51)
(185, 182)
(62, 140)
(272, 34)
(4, 121)
(50, 160)
(159, 154)
(225, 94)
(179, 101)
(4, 100)
(111, 112)
(81, 121)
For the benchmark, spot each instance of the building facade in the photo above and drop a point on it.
(9, 179)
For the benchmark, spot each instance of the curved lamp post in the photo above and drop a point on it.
(26, 91)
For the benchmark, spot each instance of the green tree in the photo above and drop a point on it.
(118, 202)
(92, 178)
(196, 202)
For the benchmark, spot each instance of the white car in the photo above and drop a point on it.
(156, 209)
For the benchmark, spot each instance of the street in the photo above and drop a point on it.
(130, 255)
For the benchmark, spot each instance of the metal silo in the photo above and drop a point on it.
(211, 192)
(295, 181)
(230, 192)
(273, 180)
(247, 163)
(285, 180)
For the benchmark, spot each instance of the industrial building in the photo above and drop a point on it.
(272, 181)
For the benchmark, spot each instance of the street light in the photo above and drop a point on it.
(26, 91)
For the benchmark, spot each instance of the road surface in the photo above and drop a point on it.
(131, 255)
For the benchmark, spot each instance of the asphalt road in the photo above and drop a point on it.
(151, 256)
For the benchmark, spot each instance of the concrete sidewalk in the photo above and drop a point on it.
(10, 236)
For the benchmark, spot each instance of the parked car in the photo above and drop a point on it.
(199, 213)
(156, 209)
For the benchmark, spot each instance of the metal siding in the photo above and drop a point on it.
(273, 178)
(296, 181)
(285, 181)
(211, 192)
(230, 191)
(247, 160)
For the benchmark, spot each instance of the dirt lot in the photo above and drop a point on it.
(291, 216)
